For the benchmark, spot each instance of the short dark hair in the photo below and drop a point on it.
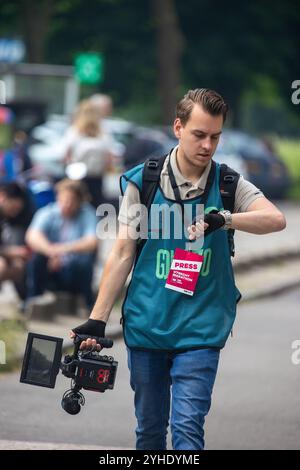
(14, 190)
(210, 100)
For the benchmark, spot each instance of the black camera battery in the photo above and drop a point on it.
(95, 372)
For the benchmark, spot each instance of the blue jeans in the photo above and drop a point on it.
(75, 277)
(191, 376)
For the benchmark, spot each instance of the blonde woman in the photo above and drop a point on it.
(86, 143)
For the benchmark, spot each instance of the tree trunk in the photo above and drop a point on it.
(36, 18)
(234, 115)
(169, 43)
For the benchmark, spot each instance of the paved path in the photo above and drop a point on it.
(256, 401)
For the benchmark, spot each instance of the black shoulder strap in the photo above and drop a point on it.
(151, 176)
(229, 179)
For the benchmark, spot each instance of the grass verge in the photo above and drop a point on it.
(12, 339)
(289, 151)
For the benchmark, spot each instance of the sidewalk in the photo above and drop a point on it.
(20, 445)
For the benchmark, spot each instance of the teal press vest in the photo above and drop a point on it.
(158, 318)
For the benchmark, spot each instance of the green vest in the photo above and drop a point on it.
(158, 318)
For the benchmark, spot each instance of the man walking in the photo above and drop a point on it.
(174, 339)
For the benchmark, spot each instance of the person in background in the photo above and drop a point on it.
(16, 211)
(21, 142)
(103, 103)
(86, 143)
(62, 236)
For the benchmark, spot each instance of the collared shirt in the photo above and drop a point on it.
(246, 192)
(186, 188)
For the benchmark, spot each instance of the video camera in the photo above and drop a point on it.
(87, 368)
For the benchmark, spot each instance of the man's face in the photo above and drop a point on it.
(68, 203)
(10, 207)
(199, 138)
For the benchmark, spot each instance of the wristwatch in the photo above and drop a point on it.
(228, 219)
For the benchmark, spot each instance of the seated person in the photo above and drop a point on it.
(16, 211)
(62, 236)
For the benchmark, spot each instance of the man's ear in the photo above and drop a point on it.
(177, 128)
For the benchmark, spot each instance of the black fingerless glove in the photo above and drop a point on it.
(91, 327)
(214, 220)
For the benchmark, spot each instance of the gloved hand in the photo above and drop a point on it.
(214, 221)
(93, 328)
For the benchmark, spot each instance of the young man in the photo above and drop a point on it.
(174, 340)
(62, 236)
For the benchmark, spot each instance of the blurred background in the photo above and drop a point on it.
(132, 60)
(145, 55)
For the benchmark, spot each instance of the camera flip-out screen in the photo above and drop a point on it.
(41, 360)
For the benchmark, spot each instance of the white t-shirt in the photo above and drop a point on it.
(92, 151)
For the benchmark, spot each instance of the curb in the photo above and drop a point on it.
(258, 261)
(271, 291)
(29, 445)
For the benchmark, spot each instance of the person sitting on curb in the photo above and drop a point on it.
(16, 212)
(62, 236)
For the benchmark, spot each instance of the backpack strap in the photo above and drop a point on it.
(151, 176)
(228, 183)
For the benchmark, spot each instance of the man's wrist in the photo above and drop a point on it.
(227, 216)
(99, 317)
(94, 316)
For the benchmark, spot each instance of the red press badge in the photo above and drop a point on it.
(184, 272)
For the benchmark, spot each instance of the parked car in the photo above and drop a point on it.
(233, 160)
(146, 142)
(264, 168)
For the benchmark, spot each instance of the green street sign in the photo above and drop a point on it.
(89, 68)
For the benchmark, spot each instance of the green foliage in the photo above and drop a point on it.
(289, 151)
(12, 333)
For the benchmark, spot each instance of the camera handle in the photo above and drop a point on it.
(104, 342)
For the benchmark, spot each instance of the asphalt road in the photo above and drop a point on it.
(256, 402)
